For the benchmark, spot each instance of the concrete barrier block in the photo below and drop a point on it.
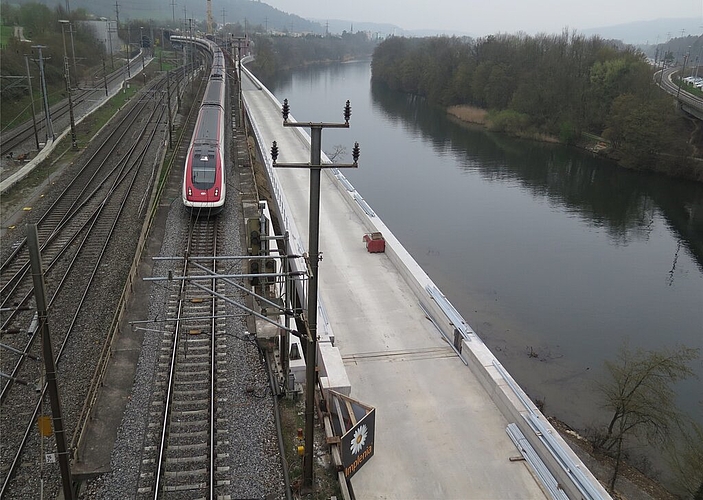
(332, 367)
(297, 366)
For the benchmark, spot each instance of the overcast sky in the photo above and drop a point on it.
(482, 17)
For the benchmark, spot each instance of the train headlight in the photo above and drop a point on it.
(217, 193)
(190, 191)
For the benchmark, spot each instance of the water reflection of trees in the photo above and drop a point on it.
(622, 202)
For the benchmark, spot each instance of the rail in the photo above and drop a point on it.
(106, 353)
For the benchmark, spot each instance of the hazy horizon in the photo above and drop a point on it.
(479, 18)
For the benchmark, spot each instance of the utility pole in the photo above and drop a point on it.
(315, 167)
(191, 49)
(104, 76)
(31, 98)
(683, 71)
(141, 44)
(129, 49)
(49, 364)
(241, 41)
(74, 143)
(47, 111)
(73, 53)
(109, 35)
(168, 104)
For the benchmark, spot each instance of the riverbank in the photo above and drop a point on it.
(480, 116)
(690, 168)
(631, 483)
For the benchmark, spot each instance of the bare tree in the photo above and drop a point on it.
(638, 391)
(337, 154)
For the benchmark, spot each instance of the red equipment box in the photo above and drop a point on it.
(375, 243)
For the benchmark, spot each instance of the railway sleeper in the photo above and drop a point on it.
(188, 356)
(192, 363)
(184, 435)
(196, 340)
(199, 402)
(182, 373)
(189, 413)
(189, 423)
(185, 473)
(186, 460)
(192, 387)
(186, 487)
(197, 365)
(201, 392)
(194, 446)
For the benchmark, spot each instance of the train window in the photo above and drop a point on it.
(204, 170)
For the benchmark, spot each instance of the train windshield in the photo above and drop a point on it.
(204, 169)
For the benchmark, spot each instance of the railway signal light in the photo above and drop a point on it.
(254, 236)
(254, 269)
(270, 268)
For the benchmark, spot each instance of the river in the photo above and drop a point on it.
(554, 257)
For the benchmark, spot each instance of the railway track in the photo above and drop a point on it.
(82, 97)
(20, 137)
(218, 411)
(81, 235)
(181, 450)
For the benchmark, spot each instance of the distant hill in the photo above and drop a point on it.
(256, 12)
(236, 11)
(636, 33)
(646, 32)
(382, 29)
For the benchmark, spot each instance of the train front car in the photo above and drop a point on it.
(204, 180)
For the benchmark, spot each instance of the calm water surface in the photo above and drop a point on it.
(553, 256)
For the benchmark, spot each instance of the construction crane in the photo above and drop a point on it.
(210, 20)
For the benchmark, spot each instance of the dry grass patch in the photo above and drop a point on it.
(469, 114)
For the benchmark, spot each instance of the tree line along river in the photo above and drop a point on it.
(554, 256)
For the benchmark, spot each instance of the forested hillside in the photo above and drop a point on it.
(278, 53)
(41, 26)
(563, 85)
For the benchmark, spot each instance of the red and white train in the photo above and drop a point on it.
(205, 177)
